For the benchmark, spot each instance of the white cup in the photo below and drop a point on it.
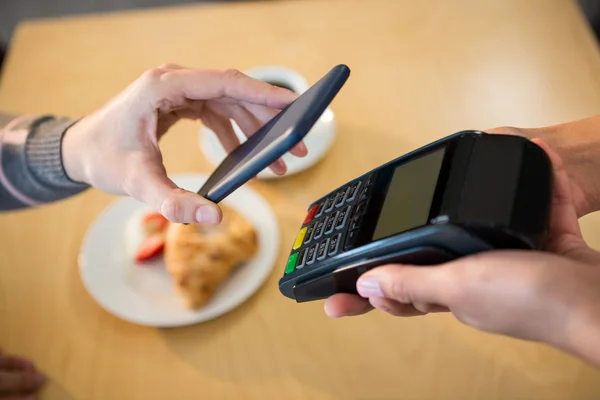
(318, 140)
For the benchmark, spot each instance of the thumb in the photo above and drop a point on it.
(174, 203)
(407, 284)
(508, 130)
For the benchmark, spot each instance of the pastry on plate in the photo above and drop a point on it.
(201, 257)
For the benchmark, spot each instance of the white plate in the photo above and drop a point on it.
(145, 294)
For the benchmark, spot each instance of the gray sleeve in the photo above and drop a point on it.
(31, 168)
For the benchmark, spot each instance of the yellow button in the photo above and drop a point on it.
(300, 238)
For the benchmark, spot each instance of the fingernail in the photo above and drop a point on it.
(368, 287)
(302, 147)
(207, 214)
(329, 312)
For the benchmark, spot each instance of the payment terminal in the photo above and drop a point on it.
(463, 194)
(467, 193)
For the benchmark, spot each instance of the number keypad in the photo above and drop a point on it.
(332, 225)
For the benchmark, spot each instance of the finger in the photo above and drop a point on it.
(190, 110)
(171, 66)
(264, 115)
(197, 84)
(221, 126)
(299, 150)
(153, 187)
(278, 167)
(345, 305)
(507, 130)
(246, 121)
(19, 397)
(22, 381)
(430, 308)
(223, 129)
(563, 218)
(15, 363)
(408, 284)
(395, 308)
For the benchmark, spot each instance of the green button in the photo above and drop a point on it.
(291, 264)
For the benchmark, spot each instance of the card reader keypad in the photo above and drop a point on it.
(331, 226)
(331, 222)
(334, 244)
(309, 233)
(311, 254)
(341, 198)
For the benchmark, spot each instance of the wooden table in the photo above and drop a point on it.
(420, 70)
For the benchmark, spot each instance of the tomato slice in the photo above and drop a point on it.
(154, 222)
(150, 248)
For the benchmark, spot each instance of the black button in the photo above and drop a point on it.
(320, 210)
(351, 240)
(329, 204)
(322, 249)
(360, 209)
(310, 255)
(352, 191)
(369, 180)
(341, 220)
(319, 228)
(355, 223)
(309, 233)
(339, 200)
(334, 244)
(366, 192)
(330, 223)
(301, 259)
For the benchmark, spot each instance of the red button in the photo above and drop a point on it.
(311, 214)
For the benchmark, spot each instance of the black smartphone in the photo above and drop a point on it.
(275, 138)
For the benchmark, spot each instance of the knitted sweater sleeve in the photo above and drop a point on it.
(31, 167)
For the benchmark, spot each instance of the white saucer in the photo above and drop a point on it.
(145, 294)
(318, 140)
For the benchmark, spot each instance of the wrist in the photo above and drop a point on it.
(71, 153)
(43, 153)
(583, 335)
(578, 329)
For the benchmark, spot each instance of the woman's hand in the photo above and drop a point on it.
(578, 144)
(19, 379)
(116, 148)
(531, 295)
